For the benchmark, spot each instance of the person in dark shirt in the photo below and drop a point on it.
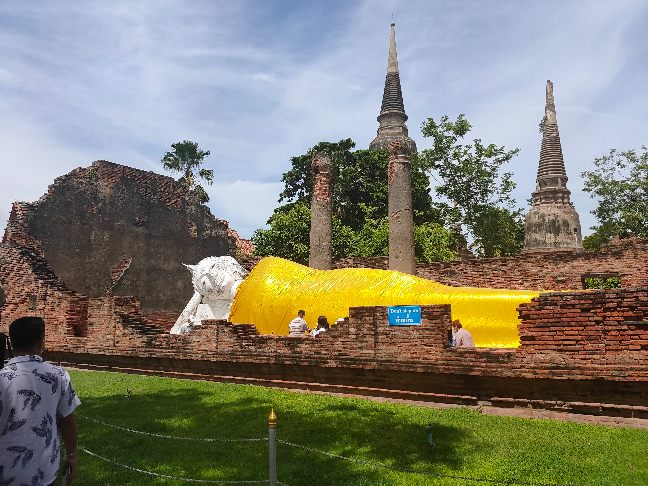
(322, 326)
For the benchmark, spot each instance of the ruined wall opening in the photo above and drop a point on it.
(600, 281)
(32, 302)
(76, 318)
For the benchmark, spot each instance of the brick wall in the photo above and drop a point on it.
(365, 354)
(33, 289)
(532, 271)
(594, 333)
(585, 349)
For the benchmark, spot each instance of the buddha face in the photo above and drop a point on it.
(216, 277)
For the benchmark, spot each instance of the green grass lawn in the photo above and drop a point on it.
(467, 443)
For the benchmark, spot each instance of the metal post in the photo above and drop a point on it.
(272, 423)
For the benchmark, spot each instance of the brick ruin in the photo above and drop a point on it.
(565, 270)
(581, 352)
(109, 229)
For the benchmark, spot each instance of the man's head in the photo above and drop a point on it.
(456, 325)
(27, 333)
(301, 314)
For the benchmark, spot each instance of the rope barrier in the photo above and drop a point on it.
(173, 477)
(171, 436)
(426, 473)
(335, 456)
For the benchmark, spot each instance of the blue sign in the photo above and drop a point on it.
(404, 315)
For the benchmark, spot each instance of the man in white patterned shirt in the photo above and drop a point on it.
(37, 402)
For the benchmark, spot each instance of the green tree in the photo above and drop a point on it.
(501, 231)
(433, 243)
(289, 237)
(373, 238)
(478, 195)
(608, 283)
(360, 181)
(620, 183)
(185, 158)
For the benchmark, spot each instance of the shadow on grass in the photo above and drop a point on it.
(349, 427)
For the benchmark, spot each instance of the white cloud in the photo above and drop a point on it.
(246, 202)
(258, 82)
(264, 77)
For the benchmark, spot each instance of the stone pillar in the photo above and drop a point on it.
(401, 217)
(321, 233)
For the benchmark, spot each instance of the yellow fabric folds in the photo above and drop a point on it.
(276, 289)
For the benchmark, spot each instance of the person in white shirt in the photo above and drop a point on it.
(37, 402)
(462, 337)
(322, 326)
(298, 326)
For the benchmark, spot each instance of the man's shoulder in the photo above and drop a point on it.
(46, 367)
(56, 369)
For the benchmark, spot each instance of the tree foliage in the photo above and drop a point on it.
(478, 195)
(360, 181)
(608, 283)
(289, 237)
(620, 183)
(433, 243)
(185, 158)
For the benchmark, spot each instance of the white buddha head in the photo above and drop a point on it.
(216, 277)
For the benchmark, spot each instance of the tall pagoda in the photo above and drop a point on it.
(392, 116)
(552, 223)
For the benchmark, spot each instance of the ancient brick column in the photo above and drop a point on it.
(321, 233)
(552, 223)
(401, 217)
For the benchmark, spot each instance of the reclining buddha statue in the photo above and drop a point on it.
(270, 296)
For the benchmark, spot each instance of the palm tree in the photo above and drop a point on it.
(185, 158)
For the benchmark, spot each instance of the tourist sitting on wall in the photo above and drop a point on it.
(298, 326)
(322, 326)
(462, 337)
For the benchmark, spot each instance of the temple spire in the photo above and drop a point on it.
(392, 95)
(392, 63)
(551, 169)
(552, 223)
(392, 116)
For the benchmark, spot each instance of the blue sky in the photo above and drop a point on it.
(256, 82)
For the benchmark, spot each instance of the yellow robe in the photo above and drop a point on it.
(276, 289)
